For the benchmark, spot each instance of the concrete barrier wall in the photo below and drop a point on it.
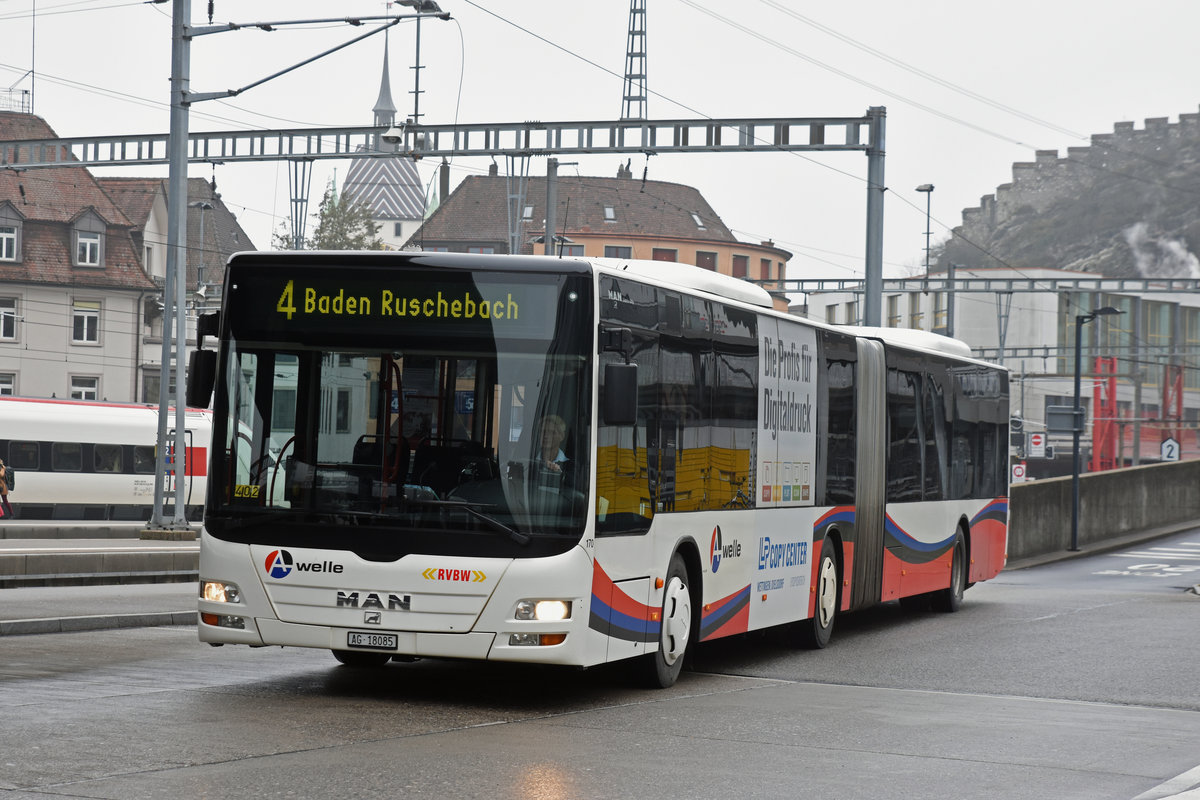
(1112, 505)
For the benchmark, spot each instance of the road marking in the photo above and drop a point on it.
(1184, 787)
(1158, 554)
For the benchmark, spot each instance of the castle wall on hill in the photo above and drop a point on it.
(1048, 179)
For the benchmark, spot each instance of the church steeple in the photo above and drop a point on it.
(385, 109)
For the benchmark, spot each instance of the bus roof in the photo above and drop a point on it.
(688, 278)
(913, 339)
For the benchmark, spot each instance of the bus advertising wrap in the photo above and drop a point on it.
(787, 416)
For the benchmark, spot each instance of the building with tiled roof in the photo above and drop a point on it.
(619, 217)
(71, 281)
(82, 262)
(390, 187)
(213, 234)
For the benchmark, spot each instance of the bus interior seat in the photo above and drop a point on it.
(441, 466)
(368, 452)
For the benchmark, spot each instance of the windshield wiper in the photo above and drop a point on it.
(473, 510)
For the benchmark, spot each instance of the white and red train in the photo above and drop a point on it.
(80, 460)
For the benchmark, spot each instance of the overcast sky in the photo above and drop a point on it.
(969, 88)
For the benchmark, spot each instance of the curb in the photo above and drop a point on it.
(21, 627)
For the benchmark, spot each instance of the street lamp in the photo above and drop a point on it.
(1077, 420)
(927, 190)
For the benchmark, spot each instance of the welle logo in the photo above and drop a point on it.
(280, 564)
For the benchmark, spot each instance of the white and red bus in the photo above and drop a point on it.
(575, 461)
(82, 460)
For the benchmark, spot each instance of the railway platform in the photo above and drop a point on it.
(76, 576)
(37, 553)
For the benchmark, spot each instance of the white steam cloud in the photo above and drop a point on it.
(1158, 256)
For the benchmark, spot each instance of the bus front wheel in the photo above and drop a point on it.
(814, 633)
(664, 666)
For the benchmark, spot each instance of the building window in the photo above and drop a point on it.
(85, 322)
(397, 229)
(8, 243)
(939, 311)
(342, 416)
(893, 311)
(87, 249)
(615, 251)
(741, 266)
(527, 214)
(664, 254)
(696, 219)
(8, 318)
(914, 310)
(706, 260)
(831, 314)
(610, 214)
(8, 384)
(764, 269)
(477, 248)
(152, 380)
(10, 232)
(85, 388)
(435, 249)
(570, 250)
(852, 312)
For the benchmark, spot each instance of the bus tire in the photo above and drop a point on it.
(353, 658)
(663, 667)
(951, 599)
(815, 632)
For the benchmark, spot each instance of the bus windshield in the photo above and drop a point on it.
(408, 431)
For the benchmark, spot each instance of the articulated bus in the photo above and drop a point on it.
(86, 460)
(575, 461)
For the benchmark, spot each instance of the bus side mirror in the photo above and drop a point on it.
(620, 394)
(201, 376)
(207, 325)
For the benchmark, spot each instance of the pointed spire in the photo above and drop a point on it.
(385, 109)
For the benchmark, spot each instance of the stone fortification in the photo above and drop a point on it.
(1125, 206)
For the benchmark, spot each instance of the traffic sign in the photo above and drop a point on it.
(1169, 450)
(1037, 445)
(1018, 472)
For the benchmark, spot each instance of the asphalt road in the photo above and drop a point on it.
(1063, 681)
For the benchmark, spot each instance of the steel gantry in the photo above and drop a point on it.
(515, 141)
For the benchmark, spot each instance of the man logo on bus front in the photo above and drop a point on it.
(279, 564)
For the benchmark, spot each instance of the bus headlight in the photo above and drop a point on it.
(219, 592)
(543, 610)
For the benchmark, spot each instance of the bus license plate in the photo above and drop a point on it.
(372, 641)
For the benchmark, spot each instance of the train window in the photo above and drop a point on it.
(107, 458)
(66, 457)
(143, 459)
(23, 455)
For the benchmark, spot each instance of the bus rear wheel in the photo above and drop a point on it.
(951, 599)
(664, 666)
(814, 633)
